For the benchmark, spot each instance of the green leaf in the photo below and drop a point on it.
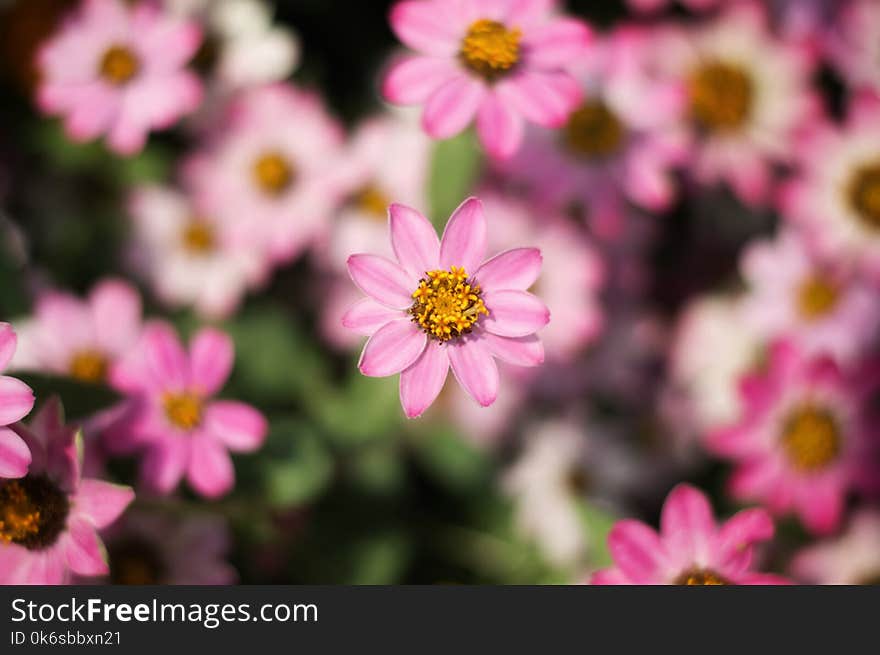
(379, 558)
(451, 460)
(597, 524)
(455, 165)
(367, 410)
(376, 470)
(296, 466)
(80, 399)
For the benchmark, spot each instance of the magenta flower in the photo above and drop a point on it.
(441, 305)
(803, 441)
(49, 518)
(119, 71)
(691, 548)
(853, 44)
(181, 429)
(16, 401)
(502, 61)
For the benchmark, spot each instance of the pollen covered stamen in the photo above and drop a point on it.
(183, 410)
(701, 577)
(33, 512)
(811, 438)
(864, 195)
(273, 173)
(817, 297)
(118, 65)
(490, 49)
(88, 366)
(593, 131)
(447, 305)
(722, 95)
(198, 237)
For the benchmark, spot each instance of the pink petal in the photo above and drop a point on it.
(762, 579)
(212, 355)
(687, 524)
(414, 240)
(366, 316)
(743, 529)
(83, 550)
(499, 127)
(514, 313)
(609, 577)
(475, 370)
(426, 26)
(452, 107)
(102, 502)
(93, 111)
(165, 356)
(116, 312)
(512, 269)
(527, 13)
(421, 383)
(544, 98)
(164, 465)
(411, 81)
(8, 341)
(16, 400)
(127, 137)
(241, 427)
(464, 239)
(210, 470)
(15, 456)
(520, 351)
(393, 347)
(637, 552)
(557, 44)
(382, 280)
(821, 509)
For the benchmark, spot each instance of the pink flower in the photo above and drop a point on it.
(16, 401)
(189, 257)
(80, 338)
(853, 558)
(51, 516)
(853, 44)
(501, 61)
(802, 443)
(441, 305)
(119, 71)
(691, 548)
(821, 305)
(181, 429)
(268, 175)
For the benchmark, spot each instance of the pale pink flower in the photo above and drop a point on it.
(119, 71)
(502, 62)
(853, 44)
(853, 558)
(188, 256)
(16, 402)
(823, 306)
(268, 172)
(51, 516)
(178, 425)
(803, 441)
(441, 305)
(691, 548)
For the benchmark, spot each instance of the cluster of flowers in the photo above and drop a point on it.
(590, 137)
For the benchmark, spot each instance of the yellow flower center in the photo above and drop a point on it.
(593, 131)
(183, 410)
(864, 195)
(810, 438)
(33, 512)
(118, 65)
(372, 201)
(135, 562)
(490, 49)
(273, 173)
(198, 237)
(722, 95)
(446, 304)
(88, 366)
(701, 577)
(816, 298)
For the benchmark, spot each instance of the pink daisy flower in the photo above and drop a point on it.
(853, 45)
(180, 427)
(853, 558)
(16, 402)
(189, 257)
(691, 547)
(51, 516)
(803, 441)
(269, 173)
(820, 305)
(502, 61)
(441, 305)
(119, 71)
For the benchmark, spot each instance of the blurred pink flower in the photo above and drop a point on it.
(819, 305)
(853, 558)
(188, 256)
(268, 173)
(803, 440)
(501, 62)
(853, 44)
(691, 547)
(120, 71)
(440, 305)
(51, 515)
(181, 429)
(16, 401)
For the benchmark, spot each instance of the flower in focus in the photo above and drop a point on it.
(853, 558)
(268, 175)
(691, 547)
(500, 62)
(181, 429)
(119, 71)
(853, 44)
(803, 440)
(16, 402)
(441, 305)
(821, 306)
(49, 518)
(154, 548)
(189, 257)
